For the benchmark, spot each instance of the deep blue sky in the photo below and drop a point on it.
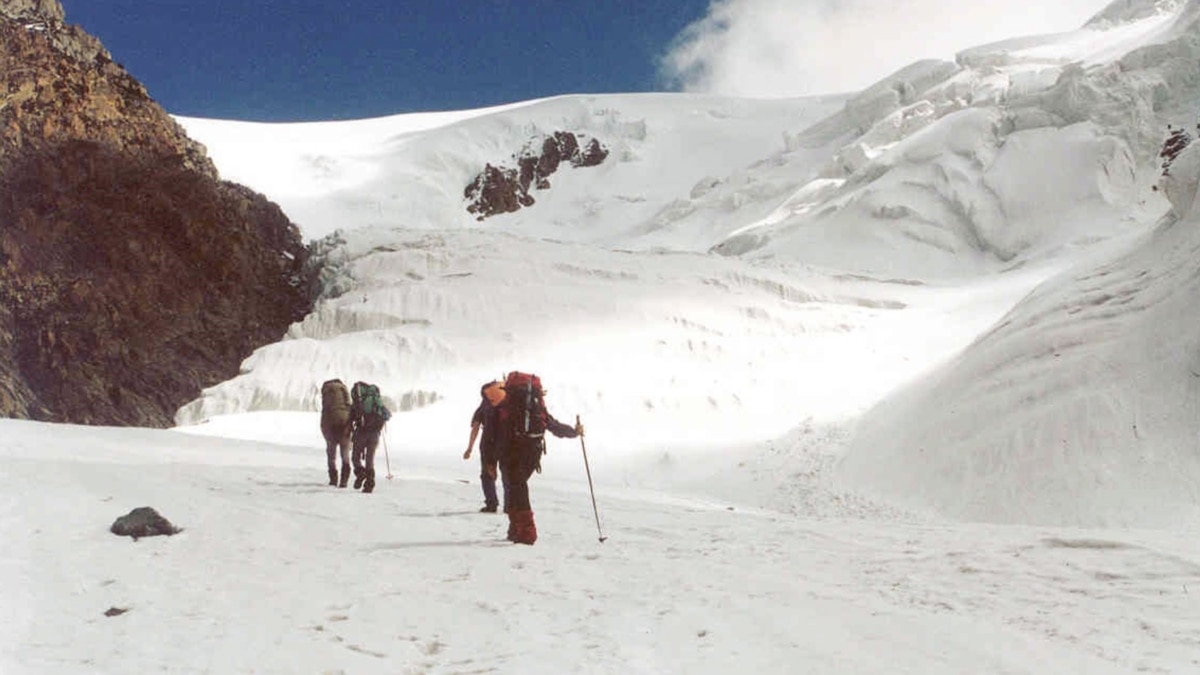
(288, 60)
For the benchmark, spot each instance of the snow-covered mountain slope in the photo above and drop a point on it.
(867, 241)
(1081, 406)
(410, 170)
(1020, 148)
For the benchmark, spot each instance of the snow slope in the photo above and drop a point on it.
(276, 573)
(871, 244)
(651, 349)
(410, 170)
(1083, 400)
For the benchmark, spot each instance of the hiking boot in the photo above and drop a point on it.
(369, 486)
(358, 481)
(345, 477)
(526, 530)
(488, 508)
(332, 477)
(512, 529)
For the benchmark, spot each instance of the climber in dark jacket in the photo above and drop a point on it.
(485, 420)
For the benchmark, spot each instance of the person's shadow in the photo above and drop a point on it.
(400, 546)
(436, 514)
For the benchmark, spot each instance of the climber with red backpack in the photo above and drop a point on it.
(522, 421)
(368, 414)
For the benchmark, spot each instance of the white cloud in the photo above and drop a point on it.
(782, 48)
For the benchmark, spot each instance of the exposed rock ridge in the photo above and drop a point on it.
(33, 10)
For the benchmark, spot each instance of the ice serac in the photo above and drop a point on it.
(1085, 398)
(131, 276)
(1092, 103)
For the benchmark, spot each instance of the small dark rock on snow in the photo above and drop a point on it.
(142, 522)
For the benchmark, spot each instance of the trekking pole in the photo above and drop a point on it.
(592, 490)
(386, 459)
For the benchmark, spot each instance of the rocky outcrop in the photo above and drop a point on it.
(504, 190)
(33, 10)
(131, 276)
(143, 521)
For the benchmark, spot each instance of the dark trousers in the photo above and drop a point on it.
(331, 453)
(365, 443)
(337, 441)
(487, 480)
(506, 489)
(520, 462)
(490, 467)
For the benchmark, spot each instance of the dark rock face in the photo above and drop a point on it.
(143, 522)
(504, 190)
(131, 276)
(495, 191)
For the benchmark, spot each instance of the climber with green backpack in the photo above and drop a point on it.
(368, 414)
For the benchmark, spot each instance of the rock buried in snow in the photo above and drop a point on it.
(115, 611)
(142, 522)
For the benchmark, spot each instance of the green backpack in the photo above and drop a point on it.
(374, 413)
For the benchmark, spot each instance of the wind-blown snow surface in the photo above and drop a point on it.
(814, 343)
(276, 573)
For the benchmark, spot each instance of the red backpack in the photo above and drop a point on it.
(525, 404)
